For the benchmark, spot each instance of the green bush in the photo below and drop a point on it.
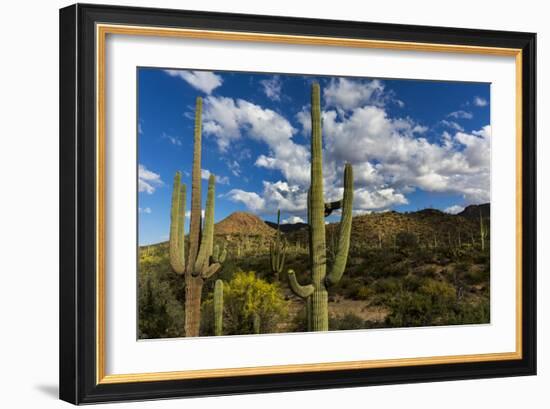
(406, 240)
(390, 285)
(160, 314)
(244, 296)
(348, 321)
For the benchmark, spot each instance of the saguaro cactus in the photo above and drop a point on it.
(218, 308)
(256, 323)
(201, 261)
(315, 294)
(482, 231)
(277, 251)
(177, 226)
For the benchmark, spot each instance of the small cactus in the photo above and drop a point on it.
(483, 231)
(217, 256)
(277, 251)
(256, 323)
(218, 308)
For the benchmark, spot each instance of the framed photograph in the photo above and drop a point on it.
(258, 203)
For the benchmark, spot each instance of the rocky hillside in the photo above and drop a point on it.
(242, 223)
(244, 232)
(426, 226)
(473, 211)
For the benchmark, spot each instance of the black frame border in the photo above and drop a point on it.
(77, 316)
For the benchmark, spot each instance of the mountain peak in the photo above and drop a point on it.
(475, 210)
(243, 223)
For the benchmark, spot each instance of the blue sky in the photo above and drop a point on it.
(413, 144)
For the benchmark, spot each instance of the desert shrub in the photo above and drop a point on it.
(428, 271)
(477, 276)
(472, 313)
(406, 240)
(432, 303)
(387, 285)
(462, 267)
(244, 296)
(364, 293)
(481, 258)
(440, 291)
(299, 321)
(160, 314)
(347, 321)
(396, 269)
(350, 288)
(413, 282)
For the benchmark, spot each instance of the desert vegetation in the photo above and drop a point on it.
(416, 277)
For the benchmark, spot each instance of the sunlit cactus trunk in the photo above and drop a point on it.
(316, 294)
(218, 308)
(201, 261)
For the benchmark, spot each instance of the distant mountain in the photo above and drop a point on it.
(425, 224)
(287, 228)
(472, 211)
(242, 223)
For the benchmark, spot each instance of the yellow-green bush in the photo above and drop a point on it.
(244, 296)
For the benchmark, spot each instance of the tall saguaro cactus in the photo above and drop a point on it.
(201, 262)
(315, 294)
(218, 308)
(482, 231)
(277, 251)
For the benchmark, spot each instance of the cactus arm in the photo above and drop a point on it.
(283, 257)
(181, 225)
(331, 206)
(177, 226)
(207, 240)
(210, 270)
(218, 308)
(303, 291)
(344, 230)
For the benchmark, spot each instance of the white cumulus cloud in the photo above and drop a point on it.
(229, 120)
(275, 196)
(205, 81)
(461, 115)
(293, 220)
(348, 94)
(148, 180)
(480, 102)
(454, 209)
(222, 180)
(272, 87)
